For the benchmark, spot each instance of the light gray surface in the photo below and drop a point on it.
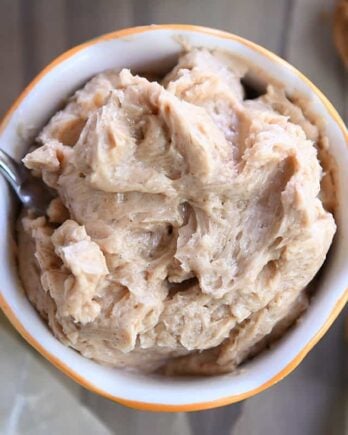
(312, 400)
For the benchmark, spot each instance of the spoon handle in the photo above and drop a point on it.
(31, 191)
(11, 170)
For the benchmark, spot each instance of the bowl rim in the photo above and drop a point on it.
(148, 406)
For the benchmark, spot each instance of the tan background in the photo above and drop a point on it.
(34, 397)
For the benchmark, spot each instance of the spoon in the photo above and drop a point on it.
(31, 191)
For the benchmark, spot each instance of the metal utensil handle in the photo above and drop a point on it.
(11, 170)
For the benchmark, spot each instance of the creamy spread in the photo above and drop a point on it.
(187, 223)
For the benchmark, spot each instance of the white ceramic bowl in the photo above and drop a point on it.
(145, 48)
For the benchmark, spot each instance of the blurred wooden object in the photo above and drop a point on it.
(340, 29)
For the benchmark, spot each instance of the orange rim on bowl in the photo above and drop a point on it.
(54, 359)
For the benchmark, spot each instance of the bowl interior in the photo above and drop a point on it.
(157, 48)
